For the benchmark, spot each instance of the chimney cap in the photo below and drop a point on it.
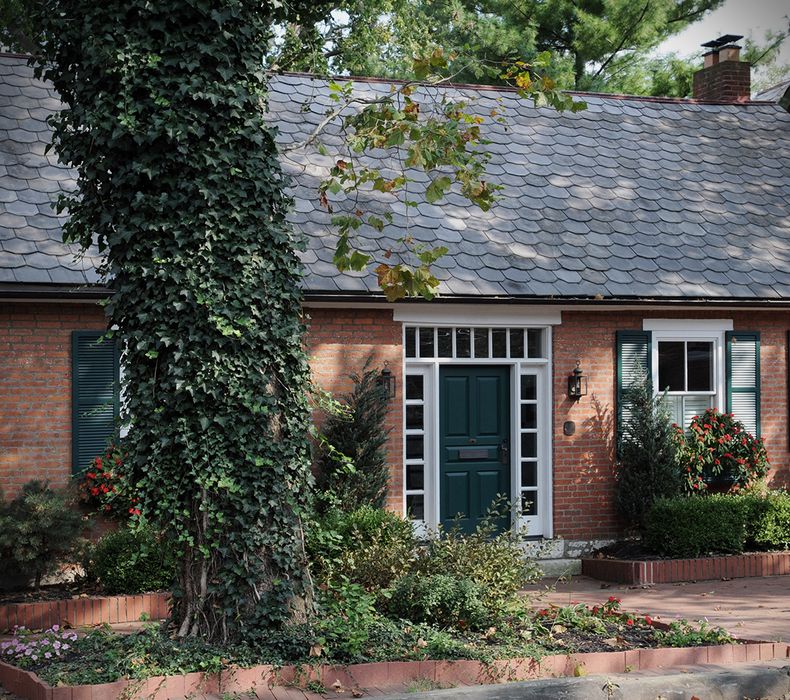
(723, 40)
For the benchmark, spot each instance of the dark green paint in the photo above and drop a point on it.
(474, 416)
(746, 337)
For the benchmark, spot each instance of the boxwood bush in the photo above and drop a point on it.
(696, 526)
(768, 520)
(440, 600)
(132, 561)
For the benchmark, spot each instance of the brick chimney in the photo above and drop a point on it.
(724, 77)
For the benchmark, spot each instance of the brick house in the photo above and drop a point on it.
(641, 232)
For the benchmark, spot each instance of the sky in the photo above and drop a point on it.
(748, 17)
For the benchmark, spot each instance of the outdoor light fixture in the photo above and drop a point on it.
(577, 383)
(387, 380)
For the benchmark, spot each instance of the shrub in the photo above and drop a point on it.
(497, 564)
(768, 520)
(132, 561)
(717, 448)
(648, 466)
(439, 599)
(347, 614)
(368, 546)
(695, 526)
(359, 434)
(37, 530)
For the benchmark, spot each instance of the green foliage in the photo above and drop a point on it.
(696, 526)
(179, 185)
(358, 433)
(370, 547)
(768, 519)
(684, 634)
(38, 529)
(427, 130)
(439, 599)
(104, 488)
(592, 43)
(648, 467)
(496, 563)
(133, 560)
(717, 449)
(347, 612)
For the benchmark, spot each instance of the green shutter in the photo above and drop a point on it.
(633, 361)
(95, 370)
(743, 378)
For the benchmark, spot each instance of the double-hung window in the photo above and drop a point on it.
(686, 371)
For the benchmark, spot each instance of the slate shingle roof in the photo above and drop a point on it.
(31, 248)
(631, 198)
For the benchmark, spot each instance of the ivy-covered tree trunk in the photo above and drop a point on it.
(180, 186)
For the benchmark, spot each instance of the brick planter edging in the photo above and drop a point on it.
(698, 569)
(79, 612)
(263, 680)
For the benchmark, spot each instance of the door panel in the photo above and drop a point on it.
(474, 422)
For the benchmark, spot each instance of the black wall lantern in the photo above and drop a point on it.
(577, 383)
(387, 380)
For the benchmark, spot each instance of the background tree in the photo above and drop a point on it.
(591, 41)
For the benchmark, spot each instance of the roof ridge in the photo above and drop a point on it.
(13, 54)
(506, 88)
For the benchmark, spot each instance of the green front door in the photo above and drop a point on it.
(474, 443)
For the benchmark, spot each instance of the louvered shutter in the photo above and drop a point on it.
(633, 362)
(743, 378)
(95, 396)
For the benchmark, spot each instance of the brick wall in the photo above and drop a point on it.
(339, 342)
(584, 462)
(35, 389)
(727, 81)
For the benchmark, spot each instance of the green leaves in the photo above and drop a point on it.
(179, 181)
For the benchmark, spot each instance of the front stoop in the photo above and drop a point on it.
(268, 683)
(649, 572)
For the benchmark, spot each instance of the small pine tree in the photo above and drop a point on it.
(648, 467)
(37, 530)
(359, 434)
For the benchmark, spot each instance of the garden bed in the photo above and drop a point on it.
(649, 571)
(264, 679)
(84, 611)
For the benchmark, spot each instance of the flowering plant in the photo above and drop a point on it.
(103, 486)
(717, 447)
(26, 649)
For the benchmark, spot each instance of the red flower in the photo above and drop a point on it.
(648, 619)
(94, 491)
(629, 622)
(134, 511)
(90, 475)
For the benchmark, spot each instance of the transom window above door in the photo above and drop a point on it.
(474, 342)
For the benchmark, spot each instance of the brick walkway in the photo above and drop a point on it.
(749, 608)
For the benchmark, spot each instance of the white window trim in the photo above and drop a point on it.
(687, 325)
(478, 315)
(429, 368)
(693, 333)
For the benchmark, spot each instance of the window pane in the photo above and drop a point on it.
(413, 386)
(414, 417)
(426, 342)
(462, 342)
(529, 445)
(445, 342)
(699, 356)
(534, 342)
(529, 387)
(410, 342)
(498, 342)
(415, 506)
(481, 342)
(516, 342)
(529, 503)
(414, 447)
(529, 473)
(529, 415)
(415, 477)
(671, 366)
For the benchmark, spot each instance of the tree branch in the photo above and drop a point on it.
(625, 38)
